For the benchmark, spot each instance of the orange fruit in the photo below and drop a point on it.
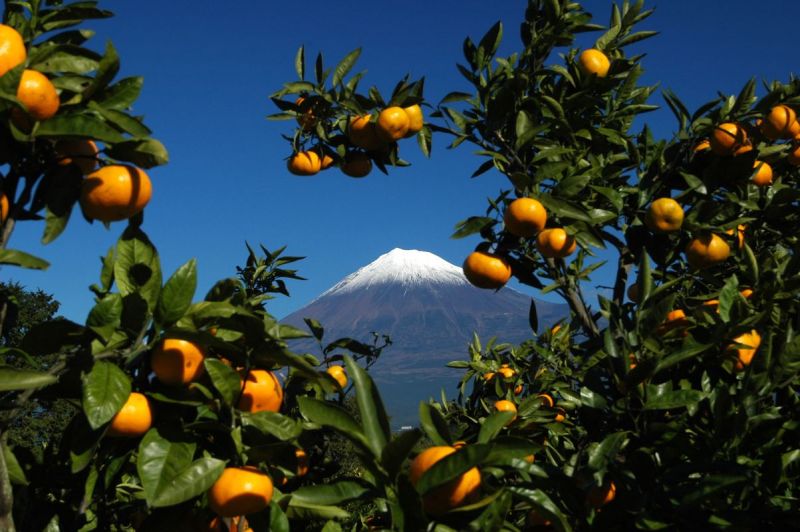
(240, 491)
(727, 138)
(744, 148)
(393, 124)
(133, 419)
(4, 206)
(744, 355)
(517, 389)
(415, 119)
(561, 415)
(794, 129)
(262, 391)
(676, 319)
(530, 458)
(703, 145)
(302, 462)
(364, 134)
(451, 494)
(707, 250)
(338, 374)
(507, 372)
(739, 235)
(304, 163)
(746, 293)
(486, 270)
(80, 152)
(600, 495)
(12, 49)
(763, 175)
(594, 62)
(177, 362)
(524, 217)
(546, 400)
(357, 165)
(218, 525)
(504, 405)
(632, 361)
(459, 444)
(665, 215)
(794, 154)
(115, 192)
(305, 116)
(38, 95)
(553, 243)
(489, 375)
(326, 162)
(778, 123)
(633, 292)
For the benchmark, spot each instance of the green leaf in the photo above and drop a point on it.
(604, 453)
(345, 65)
(278, 522)
(83, 125)
(20, 379)
(493, 424)
(328, 494)
(451, 466)
(137, 268)
(544, 504)
(370, 406)
(282, 427)
(144, 153)
(22, 259)
(664, 400)
(105, 389)
(472, 225)
(681, 355)
(176, 297)
(333, 416)
(728, 294)
(15, 473)
(68, 58)
(224, 378)
(565, 209)
(106, 316)
(397, 450)
(121, 95)
(168, 474)
(434, 424)
(300, 63)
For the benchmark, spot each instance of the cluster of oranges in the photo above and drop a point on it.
(365, 133)
(112, 193)
(177, 362)
(524, 218)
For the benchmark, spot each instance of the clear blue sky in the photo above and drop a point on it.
(209, 69)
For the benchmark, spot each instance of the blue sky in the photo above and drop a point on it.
(209, 70)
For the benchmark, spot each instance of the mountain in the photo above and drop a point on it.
(429, 309)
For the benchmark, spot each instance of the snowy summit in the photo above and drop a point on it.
(406, 267)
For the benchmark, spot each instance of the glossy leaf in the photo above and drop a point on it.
(105, 389)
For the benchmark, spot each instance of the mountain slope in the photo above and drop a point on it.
(429, 310)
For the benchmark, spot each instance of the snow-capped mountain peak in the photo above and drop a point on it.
(406, 267)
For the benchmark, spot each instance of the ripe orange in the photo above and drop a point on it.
(507, 372)
(80, 152)
(707, 250)
(664, 216)
(739, 235)
(561, 415)
(304, 163)
(794, 129)
(778, 124)
(632, 361)
(326, 162)
(12, 49)
(524, 217)
(517, 389)
(305, 116)
(240, 491)
(727, 138)
(302, 462)
(459, 444)
(451, 494)
(744, 355)
(555, 329)
(338, 374)
(486, 270)
(676, 319)
(546, 400)
(746, 293)
(703, 145)
(262, 391)
(504, 405)
(4, 206)
(489, 375)
(600, 495)
(763, 175)
(357, 164)
(594, 62)
(553, 243)
(115, 192)
(393, 124)
(133, 419)
(415, 119)
(364, 133)
(744, 148)
(217, 525)
(177, 362)
(38, 95)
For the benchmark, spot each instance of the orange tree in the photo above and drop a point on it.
(673, 408)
